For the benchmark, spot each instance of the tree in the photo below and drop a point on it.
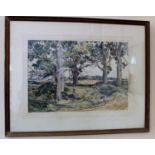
(118, 51)
(60, 71)
(101, 57)
(46, 60)
(76, 59)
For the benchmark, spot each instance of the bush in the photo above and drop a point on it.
(112, 90)
(107, 89)
(47, 89)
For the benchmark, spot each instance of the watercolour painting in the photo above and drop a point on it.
(66, 76)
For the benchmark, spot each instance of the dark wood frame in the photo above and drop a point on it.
(146, 25)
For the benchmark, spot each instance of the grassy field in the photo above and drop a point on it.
(89, 95)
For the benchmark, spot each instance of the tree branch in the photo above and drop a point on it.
(101, 68)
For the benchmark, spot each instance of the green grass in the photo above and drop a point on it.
(87, 97)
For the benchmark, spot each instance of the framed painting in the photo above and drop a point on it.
(76, 76)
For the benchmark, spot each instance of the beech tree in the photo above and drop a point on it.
(46, 60)
(76, 58)
(118, 52)
(59, 70)
(101, 57)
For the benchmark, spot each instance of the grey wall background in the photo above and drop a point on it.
(151, 134)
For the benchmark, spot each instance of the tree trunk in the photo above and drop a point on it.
(104, 78)
(75, 74)
(60, 71)
(75, 79)
(119, 66)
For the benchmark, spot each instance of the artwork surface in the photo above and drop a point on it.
(65, 76)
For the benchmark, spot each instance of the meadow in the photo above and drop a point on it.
(89, 95)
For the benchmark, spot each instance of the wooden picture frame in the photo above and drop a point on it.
(68, 132)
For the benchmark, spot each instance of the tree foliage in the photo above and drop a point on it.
(42, 58)
(76, 59)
